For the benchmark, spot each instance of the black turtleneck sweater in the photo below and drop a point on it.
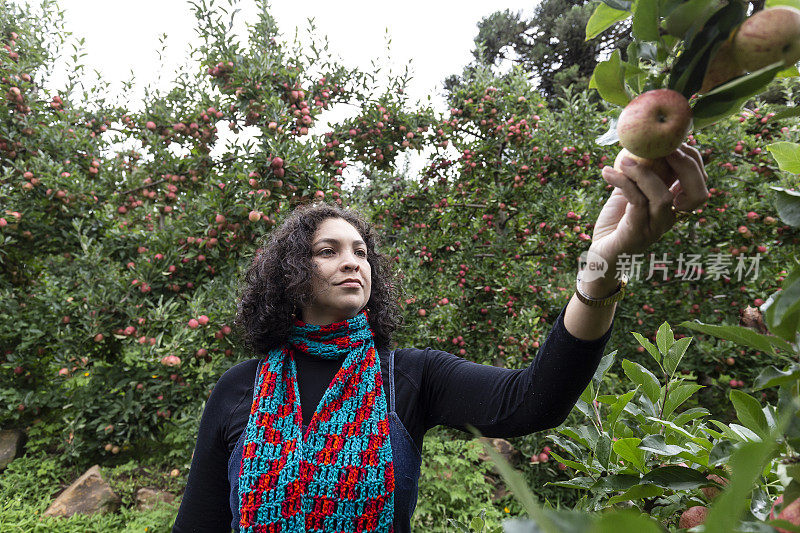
(432, 387)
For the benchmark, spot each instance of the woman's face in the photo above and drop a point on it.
(338, 253)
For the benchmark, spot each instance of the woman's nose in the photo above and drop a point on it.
(350, 262)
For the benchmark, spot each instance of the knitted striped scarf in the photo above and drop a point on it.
(339, 476)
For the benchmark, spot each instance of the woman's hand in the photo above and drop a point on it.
(639, 210)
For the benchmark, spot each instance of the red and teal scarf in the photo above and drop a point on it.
(339, 477)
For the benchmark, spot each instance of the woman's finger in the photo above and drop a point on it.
(628, 187)
(692, 192)
(694, 153)
(659, 198)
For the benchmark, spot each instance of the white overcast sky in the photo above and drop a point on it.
(434, 36)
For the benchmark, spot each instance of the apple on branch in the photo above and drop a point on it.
(769, 36)
(722, 67)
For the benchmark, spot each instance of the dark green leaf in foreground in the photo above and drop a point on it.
(740, 335)
(675, 478)
(729, 97)
(788, 204)
(688, 15)
(782, 309)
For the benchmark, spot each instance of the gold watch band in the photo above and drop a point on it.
(601, 302)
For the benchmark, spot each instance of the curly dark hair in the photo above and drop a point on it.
(278, 282)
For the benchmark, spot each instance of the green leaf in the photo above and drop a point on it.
(581, 482)
(625, 520)
(693, 13)
(637, 492)
(698, 440)
(677, 396)
(748, 410)
(628, 449)
(603, 18)
(675, 354)
(787, 155)
(652, 350)
(623, 5)
(609, 80)
(644, 378)
(602, 451)
(792, 3)
(783, 112)
(616, 409)
(588, 393)
(642, 50)
(645, 20)
(615, 483)
(720, 453)
(690, 414)
(744, 433)
(788, 204)
(477, 523)
(729, 97)
(579, 466)
(785, 525)
(586, 435)
(602, 367)
(782, 308)
(657, 445)
(564, 521)
(675, 477)
(773, 377)
(664, 338)
(739, 335)
(790, 72)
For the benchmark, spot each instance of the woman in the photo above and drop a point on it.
(322, 431)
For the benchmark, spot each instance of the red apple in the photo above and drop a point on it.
(693, 516)
(722, 67)
(769, 36)
(655, 123)
(790, 513)
(713, 492)
(170, 360)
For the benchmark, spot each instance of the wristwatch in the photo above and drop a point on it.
(601, 302)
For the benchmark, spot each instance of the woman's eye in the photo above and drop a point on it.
(362, 253)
